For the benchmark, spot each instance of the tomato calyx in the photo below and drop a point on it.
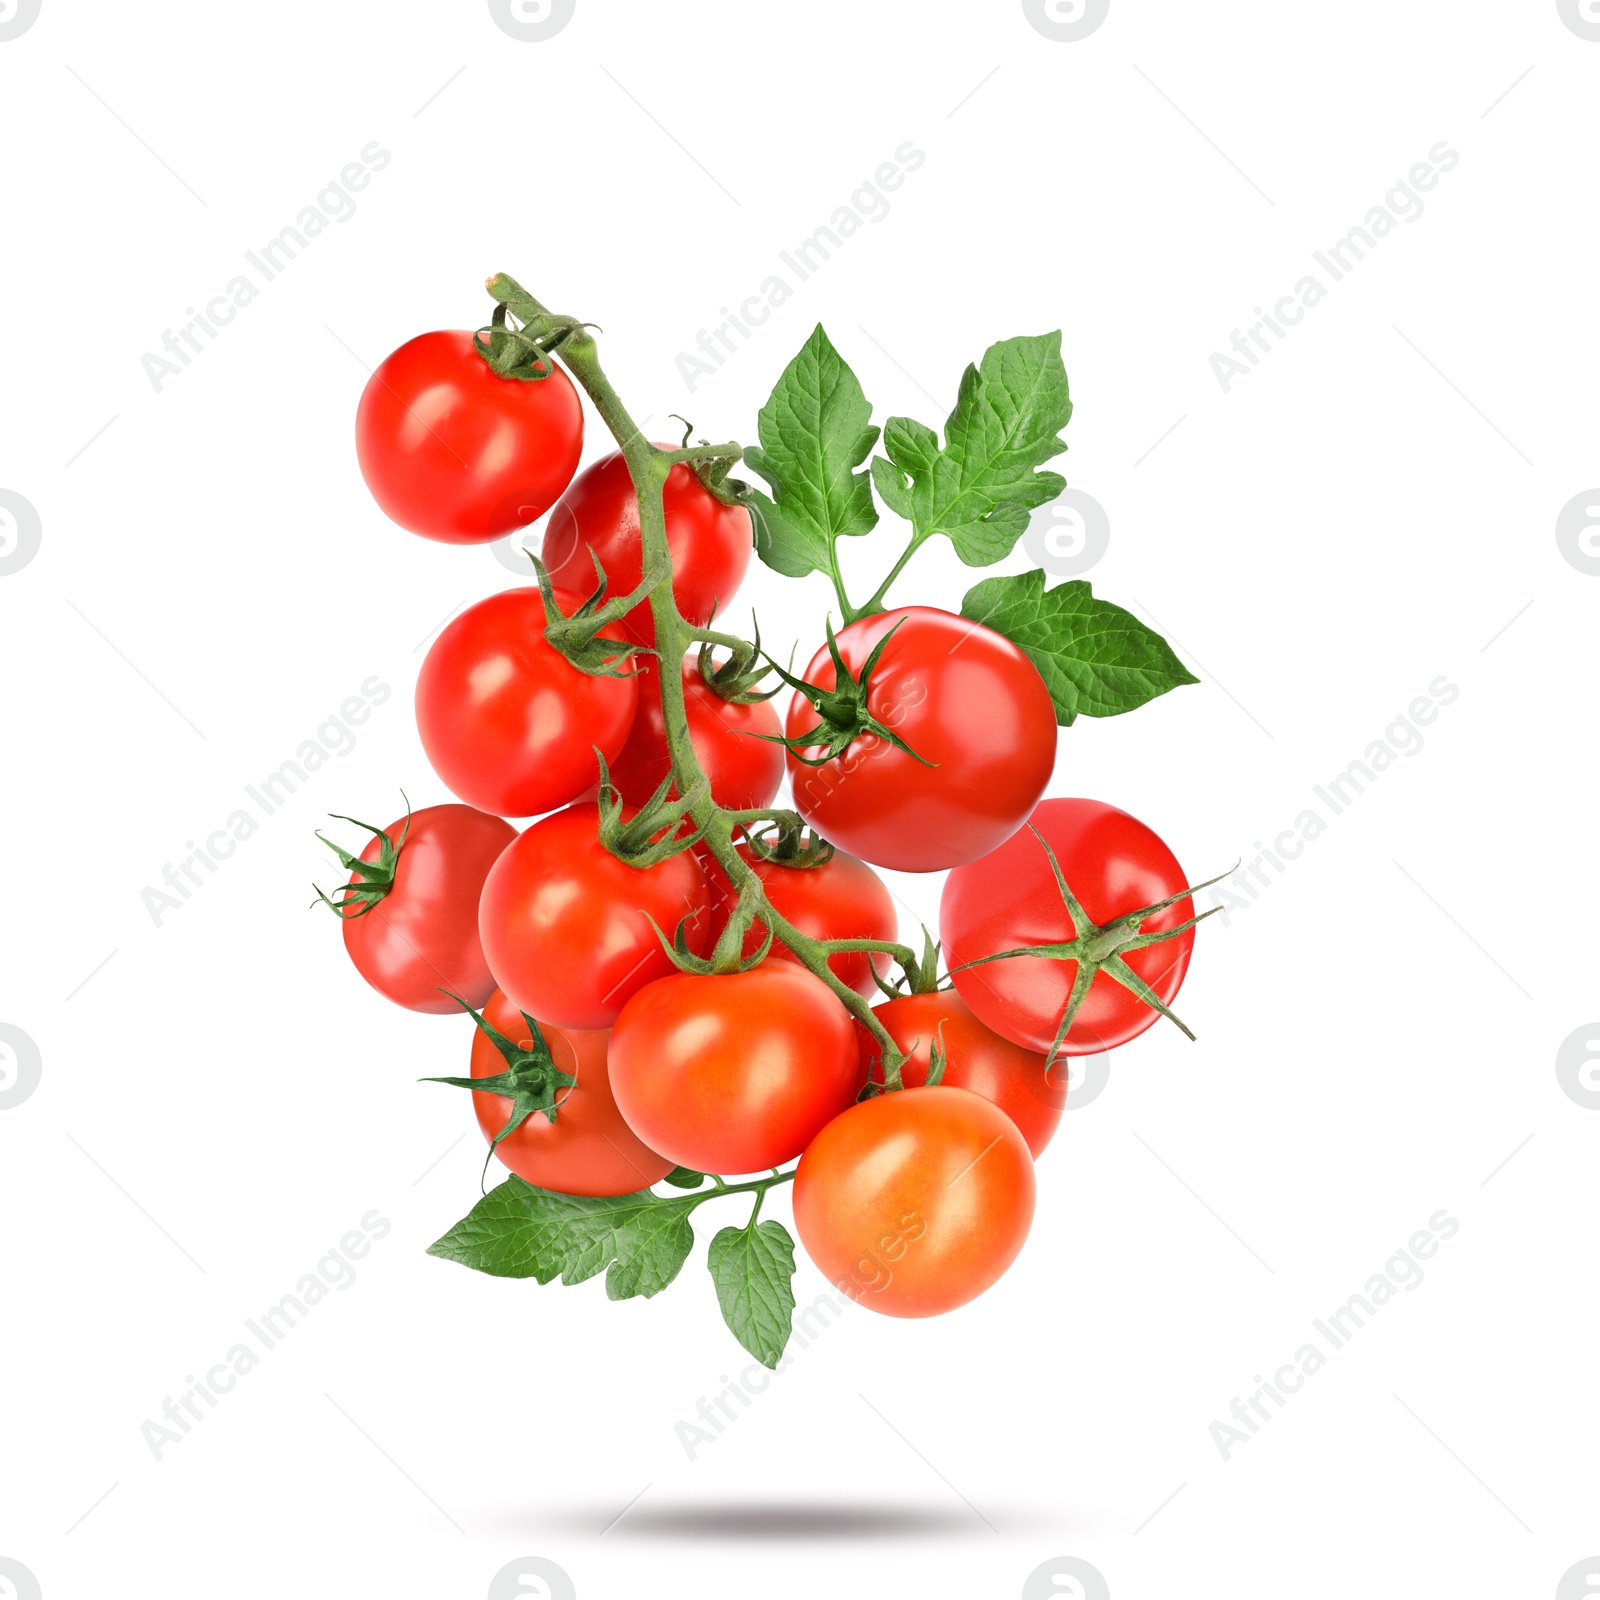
(531, 1079)
(521, 349)
(650, 835)
(735, 679)
(842, 710)
(793, 844)
(376, 877)
(727, 954)
(578, 636)
(1101, 948)
(923, 977)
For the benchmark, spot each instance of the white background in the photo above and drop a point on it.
(1374, 506)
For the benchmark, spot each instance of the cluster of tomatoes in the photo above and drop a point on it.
(618, 1050)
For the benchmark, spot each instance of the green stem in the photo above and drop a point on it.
(648, 467)
(875, 604)
(756, 1186)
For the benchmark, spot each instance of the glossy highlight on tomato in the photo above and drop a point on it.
(969, 703)
(1114, 864)
(710, 542)
(976, 1058)
(915, 1202)
(588, 1149)
(454, 452)
(566, 926)
(507, 721)
(422, 936)
(734, 1072)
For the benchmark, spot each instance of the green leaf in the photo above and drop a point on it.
(1097, 659)
(979, 489)
(753, 1269)
(640, 1241)
(684, 1178)
(815, 432)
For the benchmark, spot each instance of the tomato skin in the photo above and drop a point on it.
(914, 1203)
(423, 935)
(744, 769)
(967, 701)
(710, 542)
(588, 1149)
(976, 1058)
(841, 899)
(453, 451)
(735, 1072)
(507, 721)
(566, 926)
(1114, 864)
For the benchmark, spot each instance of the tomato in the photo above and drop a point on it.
(588, 1149)
(841, 899)
(968, 702)
(710, 542)
(455, 452)
(735, 1072)
(743, 767)
(419, 931)
(1114, 865)
(507, 721)
(976, 1058)
(566, 925)
(913, 1203)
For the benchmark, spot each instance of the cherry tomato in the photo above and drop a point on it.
(710, 542)
(976, 1058)
(588, 1149)
(507, 721)
(566, 925)
(841, 899)
(735, 1072)
(744, 768)
(421, 936)
(455, 452)
(969, 703)
(1114, 864)
(913, 1203)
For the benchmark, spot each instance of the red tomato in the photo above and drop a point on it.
(914, 1203)
(566, 925)
(965, 700)
(455, 452)
(736, 1072)
(422, 934)
(744, 769)
(710, 542)
(976, 1058)
(841, 899)
(507, 721)
(588, 1149)
(1114, 864)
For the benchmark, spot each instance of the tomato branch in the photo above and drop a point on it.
(648, 467)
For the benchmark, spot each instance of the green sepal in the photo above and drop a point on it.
(530, 1081)
(377, 877)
